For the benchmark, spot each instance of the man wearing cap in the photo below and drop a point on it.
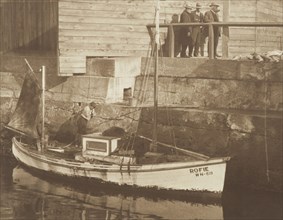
(212, 16)
(86, 114)
(185, 35)
(197, 17)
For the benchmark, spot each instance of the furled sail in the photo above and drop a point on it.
(26, 116)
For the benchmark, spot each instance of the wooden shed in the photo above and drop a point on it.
(118, 27)
(76, 29)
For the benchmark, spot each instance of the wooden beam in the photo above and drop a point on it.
(211, 42)
(171, 38)
(231, 24)
(225, 35)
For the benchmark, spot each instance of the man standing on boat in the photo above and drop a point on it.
(186, 32)
(87, 113)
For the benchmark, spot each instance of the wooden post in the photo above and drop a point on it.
(225, 41)
(211, 42)
(225, 35)
(171, 38)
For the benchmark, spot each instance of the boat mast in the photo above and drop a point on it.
(43, 108)
(154, 142)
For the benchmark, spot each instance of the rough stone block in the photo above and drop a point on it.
(113, 67)
(9, 81)
(6, 93)
(81, 88)
(193, 68)
(16, 63)
(215, 69)
(213, 93)
(117, 86)
(86, 88)
(263, 71)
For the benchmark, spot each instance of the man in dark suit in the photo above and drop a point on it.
(185, 33)
(197, 17)
(177, 43)
(212, 16)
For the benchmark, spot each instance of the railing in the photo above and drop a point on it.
(225, 33)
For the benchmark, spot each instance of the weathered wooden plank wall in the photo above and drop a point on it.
(269, 38)
(108, 28)
(29, 24)
(242, 40)
(251, 39)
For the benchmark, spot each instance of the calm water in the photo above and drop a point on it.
(28, 196)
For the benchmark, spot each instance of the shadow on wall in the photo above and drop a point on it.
(14, 62)
(46, 41)
(29, 24)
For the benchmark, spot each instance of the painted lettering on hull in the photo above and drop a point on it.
(201, 171)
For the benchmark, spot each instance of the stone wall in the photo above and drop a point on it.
(218, 84)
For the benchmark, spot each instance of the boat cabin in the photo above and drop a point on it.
(98, 145)
(101, 148)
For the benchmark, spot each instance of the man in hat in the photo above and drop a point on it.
(87, 113)
(177, 42)
(197, 17)
(185, 33)
(212, 16)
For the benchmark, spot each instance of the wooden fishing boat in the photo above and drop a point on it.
(197, 175)
(99, 158)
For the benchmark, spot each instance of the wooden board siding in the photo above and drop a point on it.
(242, 39)
(108, 28)
(28, 24)
(269, 38)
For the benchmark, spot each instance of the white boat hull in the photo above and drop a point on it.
(142, 208)
(188, 176)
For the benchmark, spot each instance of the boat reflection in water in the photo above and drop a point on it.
(55, 200)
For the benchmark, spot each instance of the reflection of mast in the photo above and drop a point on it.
(154, 134)
(83, 215)
(42, 209)
(43, 108)
(108, 215)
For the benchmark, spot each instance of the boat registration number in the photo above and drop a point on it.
(201, 171)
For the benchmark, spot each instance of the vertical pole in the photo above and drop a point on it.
(155, 100)
(43, 108)
(211, 42)
(154, 133)
(171, 41)
(225, 36)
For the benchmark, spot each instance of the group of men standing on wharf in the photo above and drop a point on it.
(190, 40)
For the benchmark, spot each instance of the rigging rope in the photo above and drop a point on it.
(141, 97)
(168, 111)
